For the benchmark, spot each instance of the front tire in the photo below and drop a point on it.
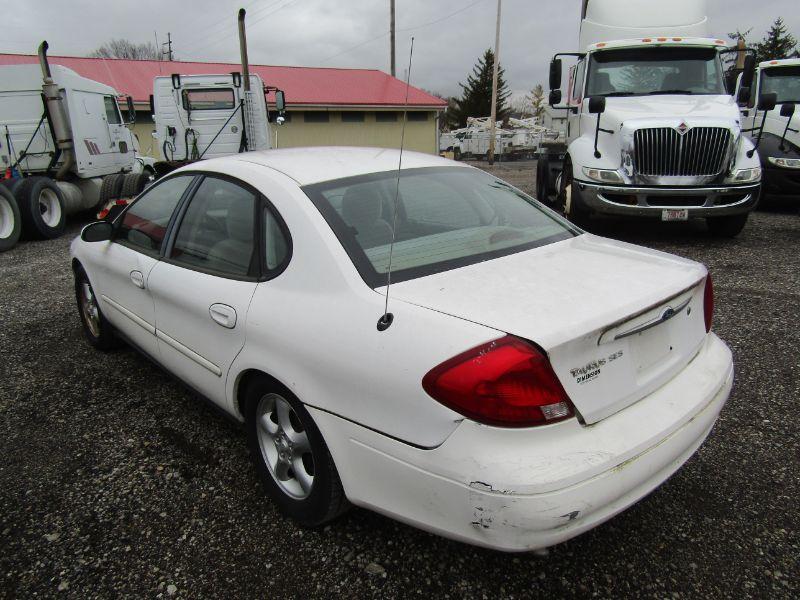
(99, 332)
(292, 460)
(728, 226)
(9, 220)
(567, 203)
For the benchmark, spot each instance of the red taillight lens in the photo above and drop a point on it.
(708, 303)
(506, 382)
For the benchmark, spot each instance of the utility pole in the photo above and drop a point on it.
(494, 85)
(168, 44)
(391, 36)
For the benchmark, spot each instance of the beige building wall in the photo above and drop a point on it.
(420, 135)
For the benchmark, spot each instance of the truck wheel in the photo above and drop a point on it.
(9, 220)
(111, 188)
(567, 203)
(133, 184)
(729, 226)
(456, 153)
(11, 184)
(41, 208)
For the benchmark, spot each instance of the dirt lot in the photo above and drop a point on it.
(115, 481)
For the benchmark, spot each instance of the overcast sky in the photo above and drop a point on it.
(450, 35)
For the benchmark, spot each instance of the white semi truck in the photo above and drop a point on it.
(651, 129)
(206, 116)
(64, 147)
(779, 143)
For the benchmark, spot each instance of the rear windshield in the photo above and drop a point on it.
(447, 217)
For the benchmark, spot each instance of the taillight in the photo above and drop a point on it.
(708, 302)
(507, 382)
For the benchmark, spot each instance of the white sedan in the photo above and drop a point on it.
(531, 381)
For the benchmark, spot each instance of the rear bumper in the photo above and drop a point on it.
(650, 201)
(518, 490)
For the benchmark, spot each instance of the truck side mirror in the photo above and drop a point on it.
(767, 102)
(555, 97)
(280, 101)
(787, 110)
(131, 111)
(743, 97)
(99, 231)
(749, 70)
(597, 105)
(555, 74)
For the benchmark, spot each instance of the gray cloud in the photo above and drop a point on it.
(347, 33)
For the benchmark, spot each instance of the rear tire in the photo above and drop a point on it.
(728, 226)
(10, 221)
(98, 331)
(111, 188)
(41, 207)
(133, 184)
(292, 459)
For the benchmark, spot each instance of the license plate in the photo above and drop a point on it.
(677, 214)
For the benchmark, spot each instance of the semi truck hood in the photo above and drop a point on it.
(659, 110)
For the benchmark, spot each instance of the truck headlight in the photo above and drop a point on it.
(745, 176)
(603, 175)
(786, 163)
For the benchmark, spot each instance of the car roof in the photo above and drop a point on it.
(317, 164)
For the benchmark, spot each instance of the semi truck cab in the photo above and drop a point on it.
(779, 146)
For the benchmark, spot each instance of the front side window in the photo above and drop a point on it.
(783, 82)
(665, 70)
(216, 234)
(447, 217)
(144, 223)
(209, 99)
(112, 110)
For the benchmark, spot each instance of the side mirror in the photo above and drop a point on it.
(99, 231)
(131, 111)
(555, 74)
(597, 105)
(555, 97)
(749, 70)
(280, 101)
(767, 102)
(787, 110)
(743, 97)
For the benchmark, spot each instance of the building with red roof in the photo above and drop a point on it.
(325, 106)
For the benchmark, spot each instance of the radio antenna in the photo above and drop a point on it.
(387, 318)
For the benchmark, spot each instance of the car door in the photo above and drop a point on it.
(123, 267)
(203, 287)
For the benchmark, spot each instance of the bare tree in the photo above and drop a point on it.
(127, 49)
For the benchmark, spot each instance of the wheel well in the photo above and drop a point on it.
(76, 264)
(243, 381)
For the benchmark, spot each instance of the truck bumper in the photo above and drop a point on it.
(524, 489)
(715, 201)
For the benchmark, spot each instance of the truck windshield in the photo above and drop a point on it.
(664, 70)
(783, 81)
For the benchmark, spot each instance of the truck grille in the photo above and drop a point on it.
(662, 151)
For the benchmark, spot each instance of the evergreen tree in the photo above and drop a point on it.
(777, 44)
(476, 100)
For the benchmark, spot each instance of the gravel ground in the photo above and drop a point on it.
(115, 481)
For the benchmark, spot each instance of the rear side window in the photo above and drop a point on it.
(112, 110)
(217, 231)
(144, 224)
(208, 99)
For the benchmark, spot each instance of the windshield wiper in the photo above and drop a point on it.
(610, 94)
(661, 92)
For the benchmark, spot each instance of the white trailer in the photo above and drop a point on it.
(651, 129)
(779, 142)
(61, 137)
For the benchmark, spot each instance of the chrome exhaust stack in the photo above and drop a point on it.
(243, 51)
(57, 115)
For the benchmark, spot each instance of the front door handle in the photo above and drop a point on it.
(222, 314)
(138, 279)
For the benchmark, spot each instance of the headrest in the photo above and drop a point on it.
(361, 206)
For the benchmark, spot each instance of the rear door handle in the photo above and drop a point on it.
(222, 314)
(138, 279)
